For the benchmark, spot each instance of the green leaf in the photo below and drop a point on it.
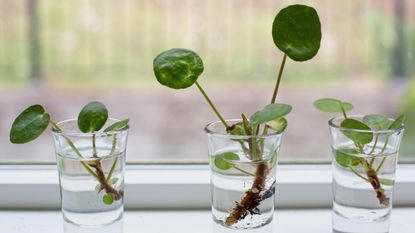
(349, 125)
(296, 31)
(177, 68)
(345, 159)
(31, 123)
(117, 125)
(237, 129)
(92, 117)
(222, 161)
(98, 188)
(108, 198)
(375, 120)
(279, 124)
(397, 123)
(269, 113)
(387, 182)
(332, 105)
(113, 180)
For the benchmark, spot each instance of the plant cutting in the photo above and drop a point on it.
(296, 31)
(93, 142)
(365, 151)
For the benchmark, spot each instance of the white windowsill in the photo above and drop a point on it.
(287, 221)
(175, 187)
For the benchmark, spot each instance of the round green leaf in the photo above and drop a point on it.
(108, 198)
(269, 113)
(345, 158)
(332, 105)
(358, 137)
(222, 161)
(117, 125)
(177, 68)
(297, 32)
(278, 124)
(92, 117)
(29, 124)
(375, 120)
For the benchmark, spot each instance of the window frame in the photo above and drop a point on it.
(178, 187)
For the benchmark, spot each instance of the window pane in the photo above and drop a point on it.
(66, 53)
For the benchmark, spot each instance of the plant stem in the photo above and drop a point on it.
(277, 85)
(112, 170)
(94, 147)
(243, 171)
(380, 164)
(70, 143)
(357, 174)
(114, 143)
(212, 105)
(375, 144)
(343, 111)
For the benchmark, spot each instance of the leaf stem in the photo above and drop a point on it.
(380, 165)
(212, 105)
(243, 171)
(112, 169)
(94, 147)
(374, 145)
(277, 85)
(343, 111)
(70, 143)
(357, 174)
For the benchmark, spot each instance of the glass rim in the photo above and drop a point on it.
(382, 131)
(80, 134)
(236, 136)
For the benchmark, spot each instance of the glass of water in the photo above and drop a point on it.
(243, 169)
(91, 173)
(363, 178)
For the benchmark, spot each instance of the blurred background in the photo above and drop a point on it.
(63, 54)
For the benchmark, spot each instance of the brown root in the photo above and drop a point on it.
(251, 199)
(105, 185)
(374, 181)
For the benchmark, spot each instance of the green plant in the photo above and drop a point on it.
(362, 133)
(296, 31)
(34, 120)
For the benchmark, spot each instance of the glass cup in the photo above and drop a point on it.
(243, 169)
(363, 178)
(91, 173)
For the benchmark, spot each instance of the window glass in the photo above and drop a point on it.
(63, 54)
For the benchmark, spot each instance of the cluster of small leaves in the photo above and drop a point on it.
(34, 120)
(360, 132)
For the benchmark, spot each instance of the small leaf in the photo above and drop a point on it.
(222, 161)
(113, 180)
(375, 120)
(237, 129)
(178, 68)
(397, 123)
(31, 123)
(296, 31)
(387, 182)
(345, 158)
(92, 117)
(269, 113)
(108, 198)
(278, 125)
(332, 105)
(117, 125)
(98, 188)
(349, 125)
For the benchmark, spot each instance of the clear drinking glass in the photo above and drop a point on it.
(243, 170)
(363, 178)
(91, 173)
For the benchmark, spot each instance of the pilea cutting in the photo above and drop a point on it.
(366, 149)
(296, 31)
(34, 120)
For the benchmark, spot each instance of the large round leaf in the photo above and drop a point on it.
(177, 68)
(29, 125)
(297, 32)
(92, 117)
(357, 131)
(332, 105)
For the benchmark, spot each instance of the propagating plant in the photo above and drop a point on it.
(34, 120)
(362, 154)
(296, 31)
